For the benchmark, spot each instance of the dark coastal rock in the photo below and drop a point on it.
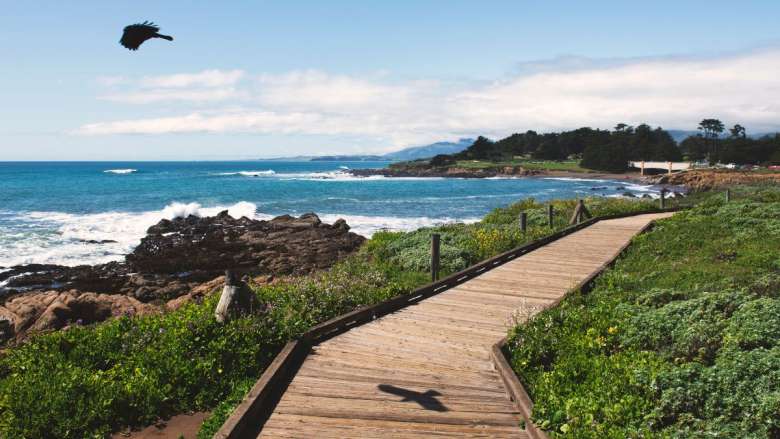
(97, 241)
(283, 245)
(179, 260)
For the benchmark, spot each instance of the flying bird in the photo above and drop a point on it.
(135, 34)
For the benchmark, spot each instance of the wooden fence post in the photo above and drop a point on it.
(580, 212)
(728, 195)
(662, 199)
(229, 292)
(550, 215)
(523, 221)
(435, 252)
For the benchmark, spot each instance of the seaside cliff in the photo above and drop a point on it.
(179, 260)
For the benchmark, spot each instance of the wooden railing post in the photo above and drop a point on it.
(523, 221)
(662, 199)
(435, 252)
(229, 292)
(728, 195)
(550, 215)
(580, 212)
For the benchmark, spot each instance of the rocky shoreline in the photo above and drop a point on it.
(679, 182)
(177, 261)
(451, 172)
(703, 180)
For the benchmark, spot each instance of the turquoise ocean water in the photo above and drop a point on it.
(48, 210)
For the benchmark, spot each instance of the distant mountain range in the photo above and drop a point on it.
(421, 152)
(411, 153)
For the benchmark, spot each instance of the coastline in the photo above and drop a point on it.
(497, 172)
(632, 177)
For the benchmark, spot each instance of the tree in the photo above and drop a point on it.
(442, 160)
(549, 148)
(738, 131)
(482, 149)
(711, 129)
(611, 157)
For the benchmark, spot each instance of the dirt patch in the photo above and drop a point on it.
(179, 426)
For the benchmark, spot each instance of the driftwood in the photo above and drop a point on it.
(236, 298)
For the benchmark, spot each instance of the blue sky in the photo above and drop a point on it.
(259, 79)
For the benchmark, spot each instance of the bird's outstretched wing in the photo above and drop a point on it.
(135, 34)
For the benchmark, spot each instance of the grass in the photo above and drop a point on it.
(680, 339)
(541, 165)
(89, 381)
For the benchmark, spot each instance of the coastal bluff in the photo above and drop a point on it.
(178, 260)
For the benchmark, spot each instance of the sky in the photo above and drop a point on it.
(254, 79)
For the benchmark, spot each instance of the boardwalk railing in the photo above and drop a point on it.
(250, 415)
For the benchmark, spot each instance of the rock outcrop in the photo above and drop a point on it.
(701, 180)
(49, 310)
(179, 260)
(283, 245)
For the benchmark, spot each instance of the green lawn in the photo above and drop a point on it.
(547, 165)
(680, 339)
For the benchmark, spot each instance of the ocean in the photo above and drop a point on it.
(50, 210)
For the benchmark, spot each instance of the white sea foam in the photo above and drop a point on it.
(120, 171)
(266, 173)
(342, 174)
(59, 238)
(368, 225)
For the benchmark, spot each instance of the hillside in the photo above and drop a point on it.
(425, 151)
(410, 153)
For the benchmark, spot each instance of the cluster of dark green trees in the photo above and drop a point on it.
(713, 144)
(612, 150)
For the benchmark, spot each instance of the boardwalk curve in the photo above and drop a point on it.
(426, 370)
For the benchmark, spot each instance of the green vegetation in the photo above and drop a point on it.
(680, 339)
(599, 149)
(466, 244)
(88, 381)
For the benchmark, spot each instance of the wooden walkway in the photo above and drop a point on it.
(425, 371)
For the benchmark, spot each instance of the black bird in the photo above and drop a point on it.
(135, 34)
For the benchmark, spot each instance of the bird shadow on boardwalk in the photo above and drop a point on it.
(427, 399)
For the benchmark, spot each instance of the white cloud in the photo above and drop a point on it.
(206, 78)
(164, 95)
(674, 93)
(314, 90)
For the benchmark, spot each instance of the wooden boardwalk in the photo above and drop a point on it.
(425, 370)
